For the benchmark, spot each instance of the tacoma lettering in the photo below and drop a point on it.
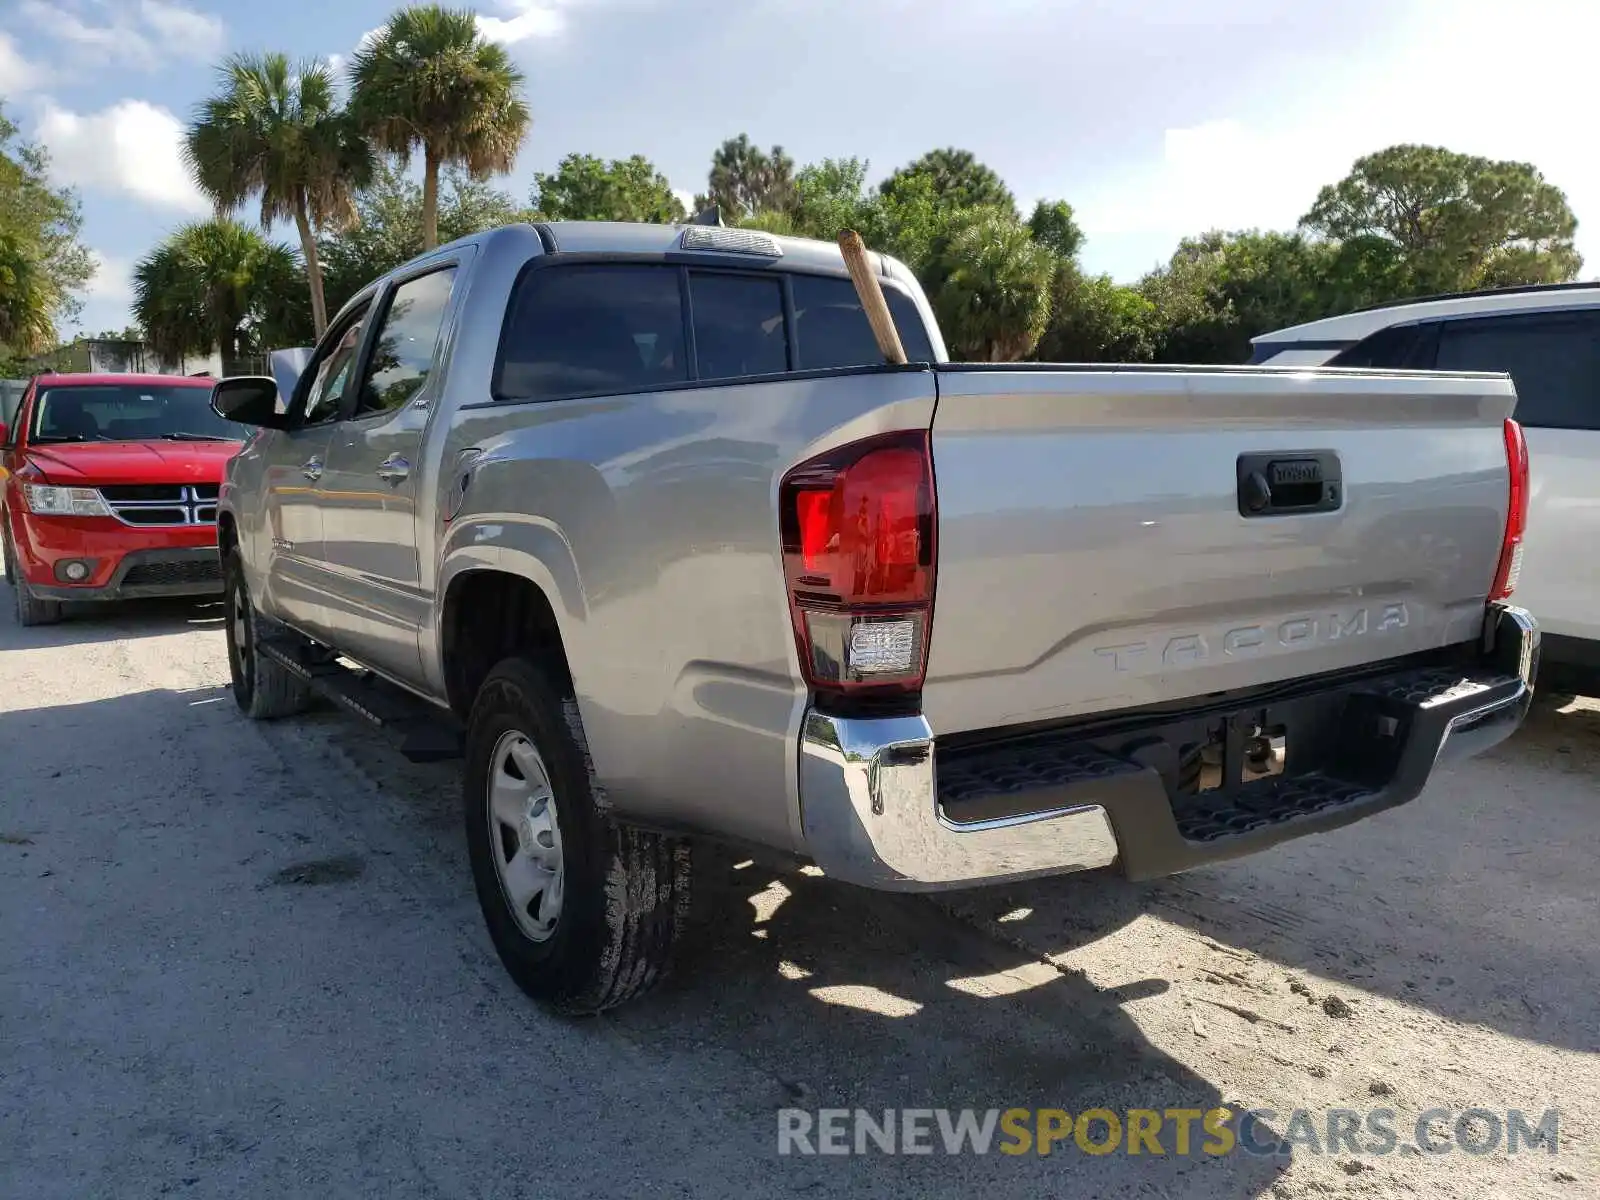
(1188, 649)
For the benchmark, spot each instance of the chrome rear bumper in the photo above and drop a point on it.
(875, 811)
(870, 810)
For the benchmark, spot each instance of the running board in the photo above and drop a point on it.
(421, 731)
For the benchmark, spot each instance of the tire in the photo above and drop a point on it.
(263, 689)
(620, 895)
(30, 609)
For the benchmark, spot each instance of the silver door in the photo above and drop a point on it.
(377, 605)
(297, 586)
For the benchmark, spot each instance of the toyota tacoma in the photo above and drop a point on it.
(649, 526)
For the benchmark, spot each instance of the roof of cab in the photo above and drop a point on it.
(1349, 328)
(634, 237)
(645, 239)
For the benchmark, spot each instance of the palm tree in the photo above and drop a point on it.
(218, 285)
(989, 282)
(276, 130)
(28, 299)
(430, 80)
(746, 181)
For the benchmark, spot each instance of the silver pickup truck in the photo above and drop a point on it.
(637, 520)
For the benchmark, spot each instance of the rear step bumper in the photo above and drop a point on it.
(880, 808)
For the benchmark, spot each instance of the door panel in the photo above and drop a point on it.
(1554, 360)
(1560, 581)
(369, 491)
(295, 585)
(298, 588)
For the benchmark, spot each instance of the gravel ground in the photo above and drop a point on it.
(242, 960)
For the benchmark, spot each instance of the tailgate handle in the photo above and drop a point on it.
(1283, 482)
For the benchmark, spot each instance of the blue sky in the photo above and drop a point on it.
(1154, 118)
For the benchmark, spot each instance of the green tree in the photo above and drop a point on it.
(990, 286)
(958, 180)
(746, 180)
(1437, 221)
(276, 131)
(28, 299)
(43, 264)
(1094, 319)
(1221, 289)
(586, 188)
(220, 285)
(911, 223)
(389, 231)
(128, 333)
(1054, 225)
(430, 81)
(830, 197)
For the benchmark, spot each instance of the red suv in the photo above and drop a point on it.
(108, 490)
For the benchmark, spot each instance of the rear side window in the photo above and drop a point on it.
(738, 325)
(589, 330)
(1400, 347)
(1554, 360)
(832, 331)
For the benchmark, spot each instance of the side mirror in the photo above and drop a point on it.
(249, 400)
(5, 434)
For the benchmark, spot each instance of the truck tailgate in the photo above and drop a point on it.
(1094, 552)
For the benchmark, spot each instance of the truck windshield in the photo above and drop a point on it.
(131, 412)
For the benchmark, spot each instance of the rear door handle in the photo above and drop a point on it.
(1289, 482)
(312, 469)
(393, 469)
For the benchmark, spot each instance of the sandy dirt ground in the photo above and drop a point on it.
(244, 960)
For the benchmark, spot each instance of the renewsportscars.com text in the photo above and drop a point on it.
(1212, 1132)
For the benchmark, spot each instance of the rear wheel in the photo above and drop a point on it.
(30, 609)
(583, 912)
(262, 688)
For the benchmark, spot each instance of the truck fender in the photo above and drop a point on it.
(531, 548)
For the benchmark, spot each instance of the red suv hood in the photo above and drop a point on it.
(133, 462)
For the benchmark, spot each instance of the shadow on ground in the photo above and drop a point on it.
(111, 621)
(793, 991)
(1476, 901)
(857, 1000)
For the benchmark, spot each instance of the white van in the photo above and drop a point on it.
(1548, 339)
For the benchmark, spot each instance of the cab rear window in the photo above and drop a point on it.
(594, 329)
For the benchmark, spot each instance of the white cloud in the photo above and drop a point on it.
(201, 34)
(1431, 79)
(339, 63)
(108, 300)
(113, 280)
(144, 33)
(17, 74)
(131, 147)
(526, 19)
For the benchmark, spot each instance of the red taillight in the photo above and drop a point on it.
(1505, 576)
(858, 554)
